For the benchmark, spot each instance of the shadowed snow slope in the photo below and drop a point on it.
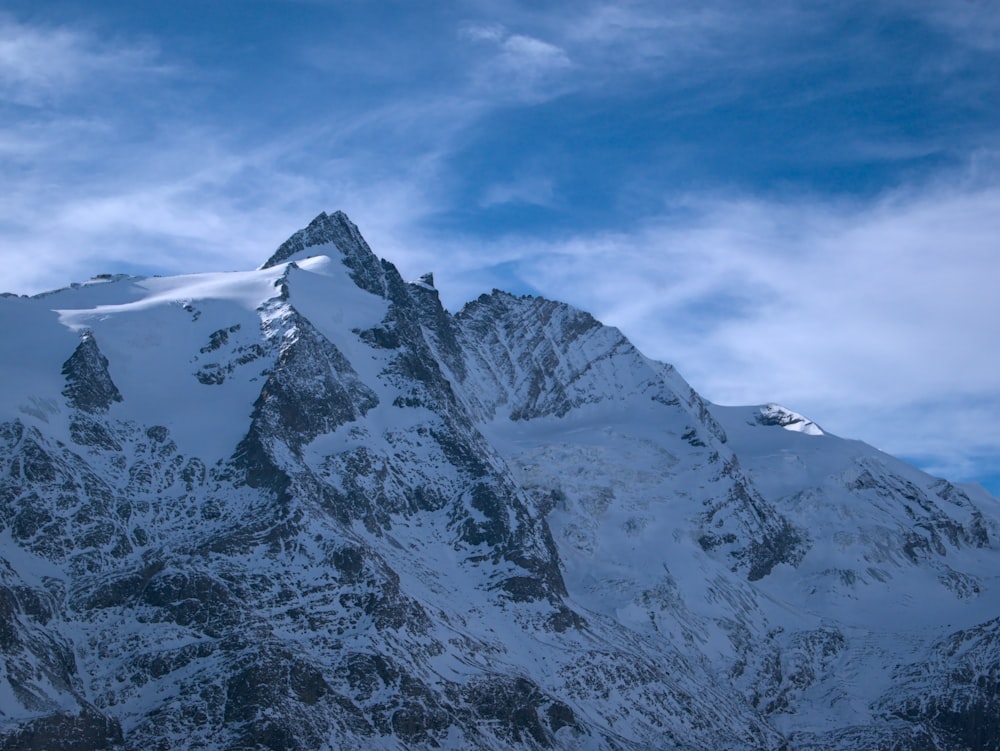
(304, 506)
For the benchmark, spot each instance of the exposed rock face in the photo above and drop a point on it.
(337, 230)
(89, 387)
(965, 711)
(351, 519)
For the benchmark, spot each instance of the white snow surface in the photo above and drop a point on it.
(154, 331)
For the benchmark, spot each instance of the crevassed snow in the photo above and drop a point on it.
(626, 493)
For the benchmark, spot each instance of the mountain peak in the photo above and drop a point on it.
(335, 228)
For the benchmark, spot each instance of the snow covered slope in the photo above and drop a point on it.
(304, 506)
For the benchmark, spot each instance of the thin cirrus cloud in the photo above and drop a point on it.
(536, 190)
(974, 24)
(517, 67)
(39, 65)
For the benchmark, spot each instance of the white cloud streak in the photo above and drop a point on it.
(39, 65)
(974, 23)
(519, 68)
(534, 190)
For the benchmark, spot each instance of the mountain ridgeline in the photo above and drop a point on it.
(306, 507)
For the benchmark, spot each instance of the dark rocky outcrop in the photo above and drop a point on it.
(338, 230)
(89, 387)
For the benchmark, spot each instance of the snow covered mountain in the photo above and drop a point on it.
(305, 507)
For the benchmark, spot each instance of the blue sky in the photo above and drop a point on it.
(790, 203)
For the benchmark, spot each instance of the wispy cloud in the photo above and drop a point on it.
(973, 23)
(534, 190)
(39, 65)
(519, 67)
(776, 293)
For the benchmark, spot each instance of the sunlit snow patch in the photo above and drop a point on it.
(775, 414)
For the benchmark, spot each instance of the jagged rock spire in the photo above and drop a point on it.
(88, 384)
(334, 228)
